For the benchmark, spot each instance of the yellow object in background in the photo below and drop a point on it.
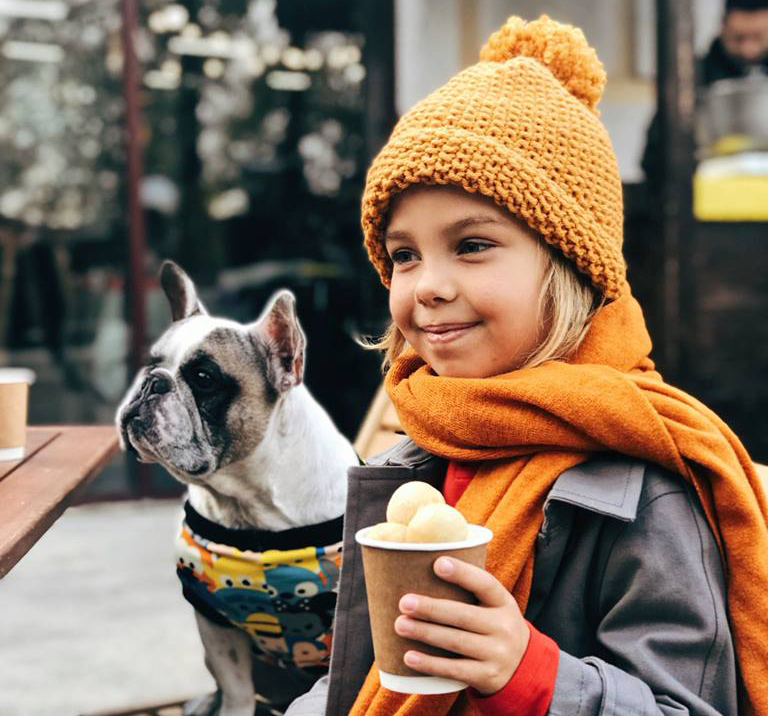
(735, 198)
(732, 144)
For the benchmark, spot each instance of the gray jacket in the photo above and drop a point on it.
(627, 580)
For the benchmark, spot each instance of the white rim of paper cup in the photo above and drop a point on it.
(420, 684)
(17, 375)
(477, 535)
(7, 454)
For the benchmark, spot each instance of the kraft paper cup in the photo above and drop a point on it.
(14, 391)
(393, 569)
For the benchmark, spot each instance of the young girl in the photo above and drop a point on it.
(628, 573)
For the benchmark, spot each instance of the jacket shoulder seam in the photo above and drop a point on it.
(705, 571)
(621, 531)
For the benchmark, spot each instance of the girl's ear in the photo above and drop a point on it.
(281, 333)
(180, 291)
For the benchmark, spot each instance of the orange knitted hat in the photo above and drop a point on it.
(521, 127)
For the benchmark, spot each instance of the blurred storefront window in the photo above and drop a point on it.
(253, 121)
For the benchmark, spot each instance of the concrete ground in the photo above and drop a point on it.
(92, 618)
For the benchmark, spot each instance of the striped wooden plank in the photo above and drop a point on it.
(381, 427)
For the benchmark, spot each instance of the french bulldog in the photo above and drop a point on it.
(222, 406)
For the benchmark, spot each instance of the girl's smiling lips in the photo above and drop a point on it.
(446, 332)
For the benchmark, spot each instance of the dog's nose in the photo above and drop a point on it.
(159, 384)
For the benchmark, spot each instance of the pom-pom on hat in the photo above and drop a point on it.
(520, 126)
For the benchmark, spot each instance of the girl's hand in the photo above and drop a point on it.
(492, 635)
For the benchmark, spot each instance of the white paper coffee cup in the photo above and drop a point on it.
(14, 399)
(393, 569)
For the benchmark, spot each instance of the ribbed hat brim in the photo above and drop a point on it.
(512, 180)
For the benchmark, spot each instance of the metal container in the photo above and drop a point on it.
(736, 109)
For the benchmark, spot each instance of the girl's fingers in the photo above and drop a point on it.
(467, 670)
(489, 591)
(473, 646)
(468, 617)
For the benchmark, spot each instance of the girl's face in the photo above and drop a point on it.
(466, 281)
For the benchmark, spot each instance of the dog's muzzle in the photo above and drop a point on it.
(136, 415)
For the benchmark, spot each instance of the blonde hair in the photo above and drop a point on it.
(567, 303)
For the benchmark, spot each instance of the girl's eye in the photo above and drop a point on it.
(402, 256)
(473, 246)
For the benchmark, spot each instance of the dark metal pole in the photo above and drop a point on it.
(380, 112)
(380, 118)
(136, 241)
(676, 102)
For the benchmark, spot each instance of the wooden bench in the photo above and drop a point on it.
(380, 429)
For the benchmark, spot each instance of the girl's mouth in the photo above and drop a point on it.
(447, 332)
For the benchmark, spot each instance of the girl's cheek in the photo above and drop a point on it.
(398, 303)
(392, 299)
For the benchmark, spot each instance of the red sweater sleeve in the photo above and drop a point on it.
(457, 477)
(529, 691)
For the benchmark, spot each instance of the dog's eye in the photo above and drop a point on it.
(202, 380)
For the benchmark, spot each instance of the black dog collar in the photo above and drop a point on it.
(255, 540)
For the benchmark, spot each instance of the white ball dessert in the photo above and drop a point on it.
(408, 498)
(437, 523)
(387, 532)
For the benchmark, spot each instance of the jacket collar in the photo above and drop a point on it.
(405, 453)
(608, 483)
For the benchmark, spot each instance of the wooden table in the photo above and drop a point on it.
(60, 461)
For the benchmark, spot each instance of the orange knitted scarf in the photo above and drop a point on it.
(530, 425)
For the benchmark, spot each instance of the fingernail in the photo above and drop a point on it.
(408, 603)
(412, 659)
(403, 625)
(444, 566)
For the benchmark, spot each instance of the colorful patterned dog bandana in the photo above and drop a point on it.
(271, 584)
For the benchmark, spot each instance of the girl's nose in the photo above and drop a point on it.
(435, 285)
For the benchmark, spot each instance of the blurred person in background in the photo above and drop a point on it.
(742, 46)
(741, 49)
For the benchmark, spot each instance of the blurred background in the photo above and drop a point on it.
(243, 130)
(233, 137)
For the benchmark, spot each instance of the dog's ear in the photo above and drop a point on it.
(279, 328)
(181, 292)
